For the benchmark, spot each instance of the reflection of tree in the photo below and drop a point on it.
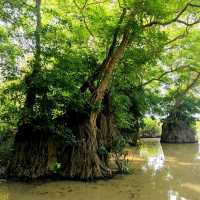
(198, 154)
(4, 192)
(153, 153)
(177, 175)
(174, 195)
(180, 152)
(184, 168)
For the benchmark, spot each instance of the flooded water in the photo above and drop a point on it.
(167, 172)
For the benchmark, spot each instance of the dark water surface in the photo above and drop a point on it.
(167, 172)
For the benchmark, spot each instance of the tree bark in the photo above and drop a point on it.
(175, 128)
(31, 90)
(30, 159)
(82, 161)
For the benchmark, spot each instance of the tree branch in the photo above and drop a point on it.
(117, 30)
(161, 76)
(84, 19)
(179, 99)
(179, 37)
(175, 19)
(98, 2)
(89, 83)
(187, 23)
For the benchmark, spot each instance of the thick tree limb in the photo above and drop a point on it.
(37, 65)
(89, 83)
(116, 33)
(109, 66)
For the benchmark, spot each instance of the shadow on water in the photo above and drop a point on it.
(161, 172)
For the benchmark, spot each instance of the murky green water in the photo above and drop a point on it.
(167, 172)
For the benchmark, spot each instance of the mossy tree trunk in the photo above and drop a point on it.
(31, 153)
(82, 161)
(176, 128)
(30, 159)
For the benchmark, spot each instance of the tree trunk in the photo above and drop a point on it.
(30, 158)
(177, 131)
(84, 160)
(175, 128)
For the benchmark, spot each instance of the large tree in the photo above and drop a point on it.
(132, 24)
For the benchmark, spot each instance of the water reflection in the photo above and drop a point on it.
(198, 154)
(174, 167)
(168, 176)
(172, 172)
(3, 192)
(152, 152)
(174, 195)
